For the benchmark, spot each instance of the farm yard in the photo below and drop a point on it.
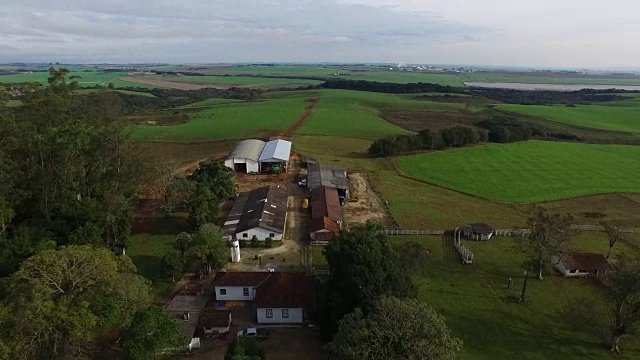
(530, 172)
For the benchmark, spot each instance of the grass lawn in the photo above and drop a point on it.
(529, 172)
(474, 300)
(147, 251)
(357, 114)
(617, 116)
(230, 120)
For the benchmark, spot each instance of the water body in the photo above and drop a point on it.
(549, 87)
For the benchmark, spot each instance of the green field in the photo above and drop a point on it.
(240, 80)
(357, 113)
(542, 78)
(87, 79)
(147, 251)
(229, 120)
(474, 300)
(619, 116)
(529, 172)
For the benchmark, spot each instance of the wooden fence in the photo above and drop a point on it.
(413, 232)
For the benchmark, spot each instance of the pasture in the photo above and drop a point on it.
(618, 116)
(529, 172)
(229, 120)
(548, 78)
(240, 80)
(88, 78)
(475, 301)
(147, 251)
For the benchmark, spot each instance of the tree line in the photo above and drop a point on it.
(428, 139)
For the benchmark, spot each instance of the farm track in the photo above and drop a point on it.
(288, 132)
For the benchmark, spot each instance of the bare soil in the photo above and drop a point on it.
(363, 204)
(419, 120)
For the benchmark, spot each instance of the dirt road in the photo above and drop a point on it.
(364, 204)
(288, 132)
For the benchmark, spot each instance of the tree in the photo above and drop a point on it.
(549, 234)
(255, 242)
(268, 242)
(152, 330)
(394, 329)
(213, 183)
(623, 300)
(183, 243)
(171, 265)
(67, 300)
(614, 233)
(243, 348)
(363, 267)
(210, 248)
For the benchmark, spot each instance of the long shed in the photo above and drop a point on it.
(245, 156)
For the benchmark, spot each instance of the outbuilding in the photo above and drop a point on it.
(245, 156)
(581, 265)
(478, 231)
(214, 322)
(261, 213)
(329, 176)
(322, 230)
(275, 156)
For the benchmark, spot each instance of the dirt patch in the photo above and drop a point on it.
(420, 120)
(363, 204)
(159, 119)
(288, 132)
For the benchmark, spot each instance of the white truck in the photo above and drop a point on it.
(257, 333)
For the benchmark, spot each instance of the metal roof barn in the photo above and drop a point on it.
(247, 149)
(276, 151)
(327, 175)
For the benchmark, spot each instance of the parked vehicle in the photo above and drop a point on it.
(302, 183)
(258, 333)
(305, 203)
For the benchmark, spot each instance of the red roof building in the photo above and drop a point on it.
(322, 230)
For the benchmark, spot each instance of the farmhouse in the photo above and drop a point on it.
(186, 307)
(275, 156)
(285, 298)
(245, 156)
(256, 156)
(239, 286)
(261, 213)
(329, 176)
(213, 322)
(478, 231)
(581, 265)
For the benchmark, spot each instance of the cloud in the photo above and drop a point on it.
(216, 30)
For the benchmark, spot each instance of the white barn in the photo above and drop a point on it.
(245, 156)
(581, 265)
(261, 213)
(275, 152)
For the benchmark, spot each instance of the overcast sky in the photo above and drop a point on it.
(542, 33)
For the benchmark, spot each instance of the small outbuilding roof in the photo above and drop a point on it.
(276, 151)
(286, 290)
(327, 175)
(210, 318)
(324, 223)
(481, 228)
(585, 262)
(264, 207)
(245, 278)
(247, 149)
(325, 203)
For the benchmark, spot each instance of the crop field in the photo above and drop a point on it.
(530, 172)
(475, 301)
(358, 114)
(546, 78)
(230, 120)
(240, 80)
(619, 116)
(88, 78)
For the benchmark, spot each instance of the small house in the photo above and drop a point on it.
(261, 213)
(581, 265)
(239, 286)
(285, 298)
(214, 322)
(478, 231)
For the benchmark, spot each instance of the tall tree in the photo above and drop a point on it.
(394, 329)
(210, 248)
(152, 331)
(213, 183)
(614, 233)
(244, 348)
(363, 267)
(65, 301)
(171, 265)
(183, 243)
(549, 235)
(623, 288)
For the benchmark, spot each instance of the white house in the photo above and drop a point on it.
(239, 286)
(214, 321)
(478, 231)
(581, 265)
(261, 213)
(245, 156)
(285, 298)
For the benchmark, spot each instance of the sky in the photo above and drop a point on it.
(540, 33)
